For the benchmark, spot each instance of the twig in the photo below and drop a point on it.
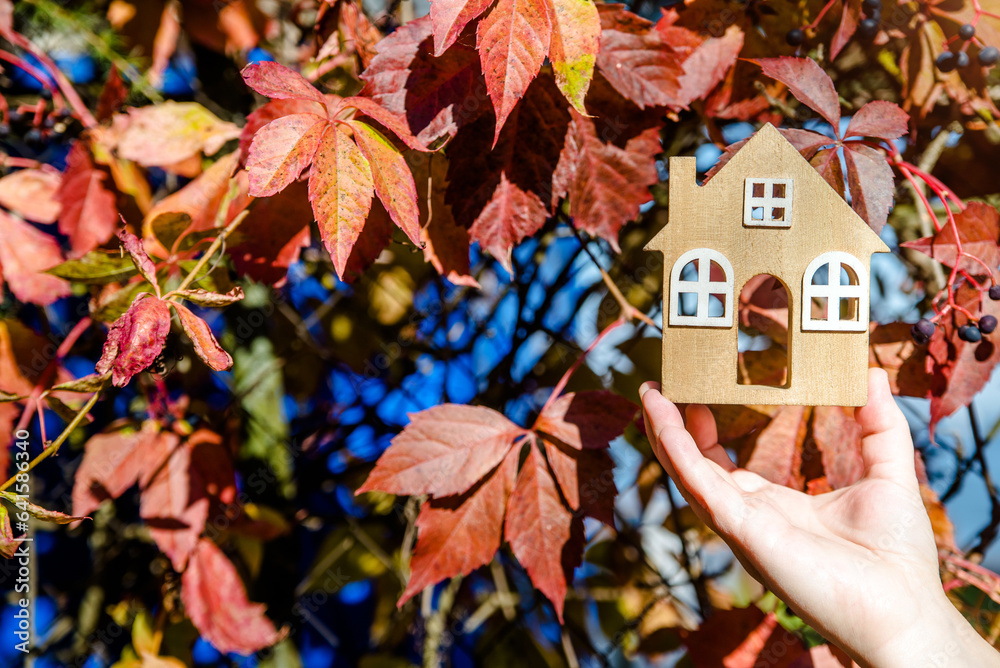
(435, 625)
(54, 447)
(203, 260)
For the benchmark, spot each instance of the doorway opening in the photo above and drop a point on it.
(763, 342)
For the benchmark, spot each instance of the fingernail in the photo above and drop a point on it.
(643, 389)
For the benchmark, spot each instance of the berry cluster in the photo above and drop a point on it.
(868, 27)
(950, 60)
(924, 329)
(33, 125)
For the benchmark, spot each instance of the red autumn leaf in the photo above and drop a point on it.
(708, 65)
(543, 534)
(635, 59)
(838, 438)
(586, 420)
(135, 339)
(586, 479)
(524, 156)
(849, 19)
(881, 119)
(278, 82)
(115, 461)
(444, 451)
(808, 82)
(891, 347)
(216, 601)
(173, 508)
(742, 638)
(458, 534)
(449, 18)
(204, 341)
(979, 233)
(211, 466)
(31, 194)
(513, 40)
(395, 123)
(827, 163)
(446, 243)
(24, 271)
(133, 246)
(869, 178)
(374, 237)
(509, 217)
(392, 178)
(778, 452)
(265, 114)
(960, 369)
(273, 235)
(113, 95)
(281, 150)
(435, 95)
(605, 184)
(575, 43)
(340, 190)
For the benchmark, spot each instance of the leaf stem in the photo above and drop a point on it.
(203, 260)
(53, 448)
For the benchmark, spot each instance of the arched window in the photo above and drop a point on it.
(701, 290)
(835, 294)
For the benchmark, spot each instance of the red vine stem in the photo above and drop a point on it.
(561, 385)
(32, 404)
(76, 104)
(822, 13)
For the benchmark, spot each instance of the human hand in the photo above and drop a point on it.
(859, 564)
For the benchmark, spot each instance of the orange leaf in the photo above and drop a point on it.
(392, 178)
(23, 270)
(281, 150)
(205, 343)
(340, 189)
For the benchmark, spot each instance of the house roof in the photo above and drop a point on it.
(767, 154)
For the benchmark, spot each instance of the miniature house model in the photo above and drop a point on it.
(767, 211)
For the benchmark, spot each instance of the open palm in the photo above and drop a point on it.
(845, 560)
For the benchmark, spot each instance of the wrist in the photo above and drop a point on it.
(940, 637)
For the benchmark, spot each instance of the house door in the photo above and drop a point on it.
(763, 342)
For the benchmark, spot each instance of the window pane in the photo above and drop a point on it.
(849, 309)
(716, 305)
(820, 308)
(778, 190)
(822, 275)
(690, 271)
(688, 303)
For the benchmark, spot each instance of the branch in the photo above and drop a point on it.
(435, 625)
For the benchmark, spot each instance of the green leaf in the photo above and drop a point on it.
(96, 268)
(7, 398)
(91, 383)
(36, 511)
(169, 226)
(206, 298)
(112, 307)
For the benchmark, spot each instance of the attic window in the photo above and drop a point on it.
(835, 294)
(701, 290)
(767, 203)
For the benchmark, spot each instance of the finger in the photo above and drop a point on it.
(705, 484)
(886, 446)
(701, 426)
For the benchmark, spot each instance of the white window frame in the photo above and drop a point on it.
(768, 203)
(702, 287)
(834, 293)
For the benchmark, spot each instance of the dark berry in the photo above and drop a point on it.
(795, 36)
(967, 32)
(989, 56)
(987, 324)
(945, 61)
(961, 59)
(868, 28)
(970, 334)
(918, 337)
(49, 123)
(33, 137)
(875, 15)
(995, 292)
(925, 327)
(873, 4)
(15, 116)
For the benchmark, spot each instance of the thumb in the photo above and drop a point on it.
(886, 446)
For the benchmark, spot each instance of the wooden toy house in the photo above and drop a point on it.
(767, 211)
